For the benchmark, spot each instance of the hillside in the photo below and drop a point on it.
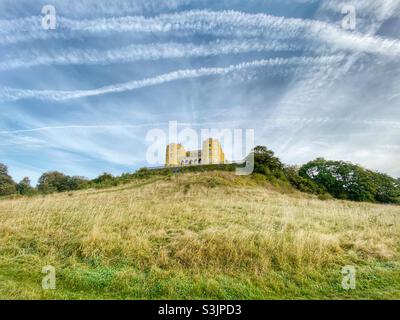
(197, 235)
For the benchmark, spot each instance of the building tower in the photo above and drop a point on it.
(174, 152)
(212, 152)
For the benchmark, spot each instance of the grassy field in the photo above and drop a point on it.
(199, 236)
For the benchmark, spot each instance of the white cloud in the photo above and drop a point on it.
(16, 94)
(218, 23)
(155, 51)
(83, 127)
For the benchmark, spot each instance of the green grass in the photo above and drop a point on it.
(82, 282)
(197, 236)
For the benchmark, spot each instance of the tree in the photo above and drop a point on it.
(77, 183)
(345, 180)
(24, 187)
(105, 177)
(266, 163)
(7, 184)
(387, 188)
(105, 180)
(53, 181)
(341, 179)
(301, 183)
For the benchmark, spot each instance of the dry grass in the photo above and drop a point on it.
(209, 235)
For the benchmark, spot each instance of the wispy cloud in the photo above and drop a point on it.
(16, 94)
(217, 23)
(155, 51)
(315, 89)
(96, 127)
(338, 98)
(277, 121)
(96, 8)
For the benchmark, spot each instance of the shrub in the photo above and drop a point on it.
(105, 180)
(77, 183)
(301, 183)
(266, 163)
(7, 184)
(24, 187)
(55, 181)
(143, 173)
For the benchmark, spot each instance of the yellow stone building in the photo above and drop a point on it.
(211, 153)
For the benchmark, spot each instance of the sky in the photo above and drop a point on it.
(82, 98)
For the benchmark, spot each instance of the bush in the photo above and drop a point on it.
(301, 183)
(55, 181)
(77, 183)
(7, 184)
(266, 163)
(24, 187)
(105, 177)
(143, 173)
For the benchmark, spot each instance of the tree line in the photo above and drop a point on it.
(325, 178)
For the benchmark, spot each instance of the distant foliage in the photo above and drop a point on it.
(266, 163)
(105, 180)
(387, 189)
(7, 184)
(77, 183)
(55, 181)
(326, 179)
(24, 187)
(345, 180)
(145, 173)
(301, 183)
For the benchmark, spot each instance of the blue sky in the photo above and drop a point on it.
(81, 98)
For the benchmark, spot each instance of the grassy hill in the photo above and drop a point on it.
(197, 235)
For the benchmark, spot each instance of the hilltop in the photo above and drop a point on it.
(197, 235)
(325, 178)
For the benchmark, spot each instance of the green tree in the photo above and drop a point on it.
(345, 180)
(105, 177)
(387, 188)
(24, 187)
(266, 163)
(301, 183)
(105, 180)
(7, 184)
(77, 183)
(53, 181)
